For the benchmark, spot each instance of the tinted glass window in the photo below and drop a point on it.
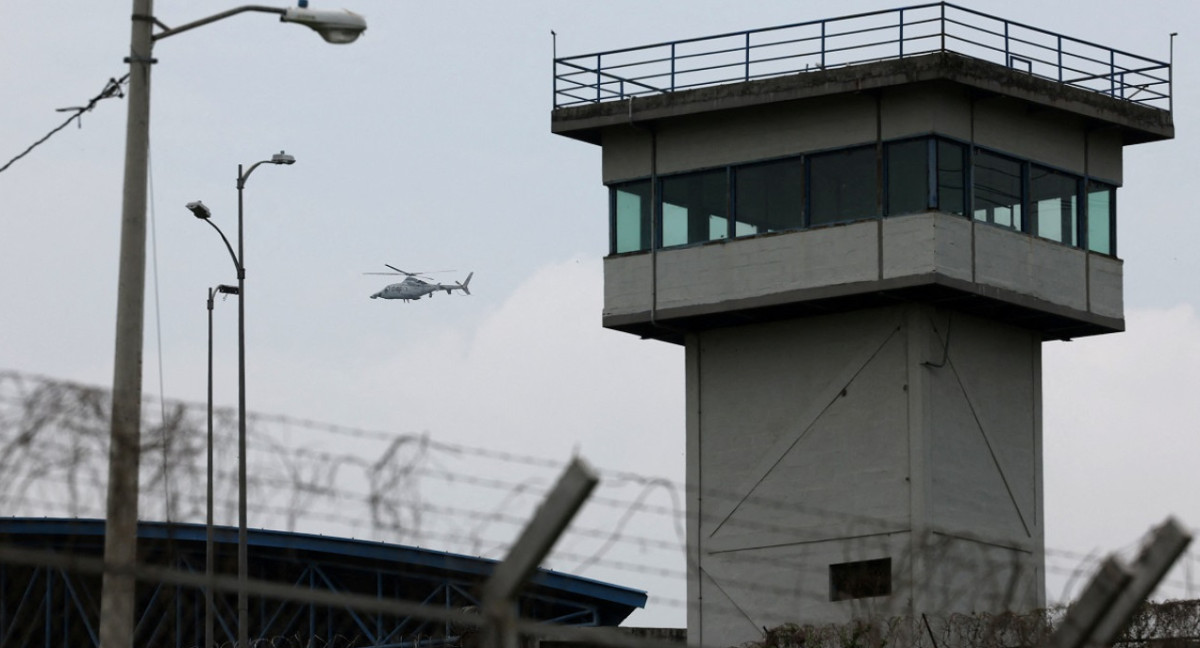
(1054, 203)
(842, 186)
(631, 217)
(997, 190)
(769, 197)
(694, 208)
(908, 177)
(951, 177)
(1101, 218)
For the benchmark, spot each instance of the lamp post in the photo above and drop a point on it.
(117, 594)
(209, 546)
(202, 212)
(243, 557)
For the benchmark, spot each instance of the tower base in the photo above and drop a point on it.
(878, 462)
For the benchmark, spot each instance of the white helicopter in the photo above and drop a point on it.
(415, 287)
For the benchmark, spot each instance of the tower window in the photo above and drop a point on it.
(1054, 203)
(694, 208)
(998, 190)
(908, 177)
(951, 177)
(769, 197)
(842, 186)
(1101, 218)
(631, 217)
(863, 579)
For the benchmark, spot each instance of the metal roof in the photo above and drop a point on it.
(414, 571)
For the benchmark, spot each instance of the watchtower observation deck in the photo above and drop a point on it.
(930, 153)
(862, 230)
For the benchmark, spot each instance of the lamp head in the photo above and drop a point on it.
(199, 210)
(282, 158)
(338, 27)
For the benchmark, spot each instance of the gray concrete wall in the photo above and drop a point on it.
(983, 422)
(1031, 266)
(1105, 155)
(626, 153)
(783, 129)
(1105, 290)
(865, 257)
(926, 244)
(911, 110)
(965, 575)
(820, 441)
(759, 133)
(1052, 138)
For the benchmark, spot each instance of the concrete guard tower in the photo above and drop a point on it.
(862, 229)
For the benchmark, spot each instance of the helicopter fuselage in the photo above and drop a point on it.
(413, 288)
(404, 290)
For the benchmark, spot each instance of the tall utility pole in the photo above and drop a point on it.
(120, 540)
(120, 534)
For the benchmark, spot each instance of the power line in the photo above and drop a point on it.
(111, 89)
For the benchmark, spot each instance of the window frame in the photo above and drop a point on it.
(1085, 241)
(613, 214)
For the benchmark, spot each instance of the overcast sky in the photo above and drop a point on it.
(426, 145)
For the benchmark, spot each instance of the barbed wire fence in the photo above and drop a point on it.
(412, 489)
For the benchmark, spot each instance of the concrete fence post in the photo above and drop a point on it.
(548, 523)
(1105, 607)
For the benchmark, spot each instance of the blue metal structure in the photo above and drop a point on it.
(45, 607)
(860, 38)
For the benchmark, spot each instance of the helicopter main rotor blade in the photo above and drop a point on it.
(411, 274)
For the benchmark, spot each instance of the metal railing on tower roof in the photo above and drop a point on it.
(860, 38)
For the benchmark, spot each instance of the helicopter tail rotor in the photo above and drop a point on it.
(463, 284)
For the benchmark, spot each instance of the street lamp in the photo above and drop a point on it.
(337, 27)
(201, 211)
(209, 546)
(120, 538)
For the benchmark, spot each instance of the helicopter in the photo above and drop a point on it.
(416, 285)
